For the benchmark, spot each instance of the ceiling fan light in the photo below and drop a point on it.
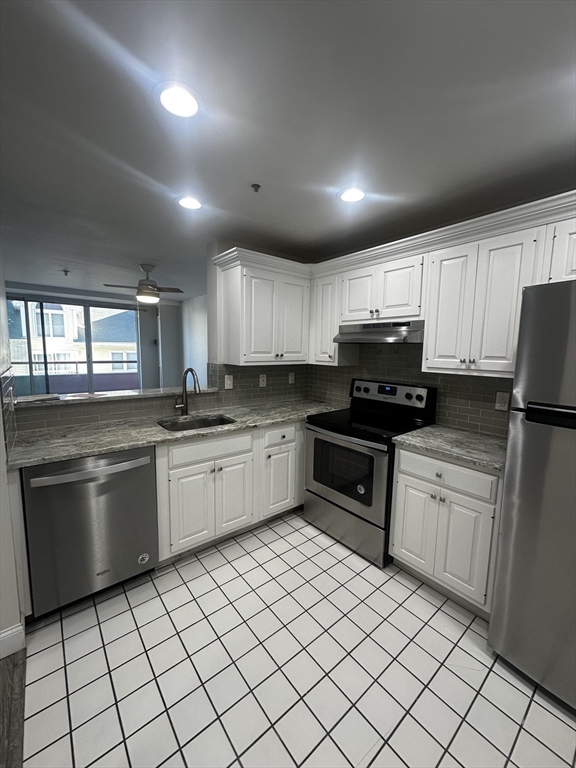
(147, 295)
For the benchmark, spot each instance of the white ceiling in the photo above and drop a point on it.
(440, 110)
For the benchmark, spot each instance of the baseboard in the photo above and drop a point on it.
(12, 640)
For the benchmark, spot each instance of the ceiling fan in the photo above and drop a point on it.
(147, 291)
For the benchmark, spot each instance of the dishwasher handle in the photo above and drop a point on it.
(89, 474)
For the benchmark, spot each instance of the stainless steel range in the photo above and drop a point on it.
(350, 462)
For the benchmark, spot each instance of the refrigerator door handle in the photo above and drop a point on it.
(555, 408)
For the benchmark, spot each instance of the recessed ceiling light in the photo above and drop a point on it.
(351, 195)
(178, 100)
(189, 202)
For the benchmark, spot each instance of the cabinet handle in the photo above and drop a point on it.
(330, 356)
(463, 360)
(442, 499)
(438, 474)
(269, 456)
(377, 311)
(212, 470)
(220, 469)
(277, 355)
(282, 355)
(472, 361)
(371, 311)
(432, 495)
(283, 436)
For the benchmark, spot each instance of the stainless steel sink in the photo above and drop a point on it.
(182, 423)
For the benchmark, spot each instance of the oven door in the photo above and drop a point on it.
(347, 472)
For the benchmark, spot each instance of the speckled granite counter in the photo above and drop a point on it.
(474, 449)
(43, 446)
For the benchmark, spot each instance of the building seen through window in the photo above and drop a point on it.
(59, 348)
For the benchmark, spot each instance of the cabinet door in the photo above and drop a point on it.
(191, 505)
(358, 292)
(451, 307)
(234, 498)
(463, 545)
(415, 523)
(279, 479)
(398, 289)
(260, 316)
(294, 309)
(325, 318)
(563, 266)
(505, 266)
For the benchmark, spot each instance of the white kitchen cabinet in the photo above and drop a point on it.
(233, 493)
(399, 287)
(279, 479)
(415, 523)
(475, 294)
(208, 499)
(275, 317)
(391, 289)
(463, 544)
(191, 505)
(263, 306)
(441, 528)
(325, 319)
(560, 251)
(448, 327)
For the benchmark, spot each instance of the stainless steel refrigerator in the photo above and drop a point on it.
(533, 621)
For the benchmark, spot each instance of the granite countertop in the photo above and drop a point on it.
(43, 446)
(474, 449)
(30, 401)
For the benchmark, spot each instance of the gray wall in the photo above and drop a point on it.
(171, 356)
(195, 336)
(149, 336)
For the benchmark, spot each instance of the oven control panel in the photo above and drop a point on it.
(391, 393)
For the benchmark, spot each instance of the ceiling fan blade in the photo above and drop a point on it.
(169, 290)
(113, 285)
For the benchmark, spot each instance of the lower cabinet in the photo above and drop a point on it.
(279, 479)
(443, 533)
(210, 486)
(209, 498)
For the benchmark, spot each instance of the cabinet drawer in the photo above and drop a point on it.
(198, 450)
(469, 481)
(280, 436)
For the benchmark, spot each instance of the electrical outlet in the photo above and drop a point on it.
(262, 380)
(502, 401)
(228, 382)
(290, 378)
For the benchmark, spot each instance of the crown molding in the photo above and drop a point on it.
(241, 257)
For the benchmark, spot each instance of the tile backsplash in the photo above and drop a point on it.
(463, 401)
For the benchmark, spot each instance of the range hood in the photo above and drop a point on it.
(399, 332)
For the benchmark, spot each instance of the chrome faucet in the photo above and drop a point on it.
(183, 406)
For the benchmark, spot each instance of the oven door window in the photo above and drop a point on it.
(344, 470)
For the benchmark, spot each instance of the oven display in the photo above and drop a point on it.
(386, 389)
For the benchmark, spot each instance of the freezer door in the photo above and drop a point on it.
(546, 358)
(533, 621)
(90, 523)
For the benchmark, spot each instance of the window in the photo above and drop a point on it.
(55, 362)
(122, 361)
(53, 320)
(63, 348)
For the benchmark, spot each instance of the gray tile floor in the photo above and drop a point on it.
(280, 648)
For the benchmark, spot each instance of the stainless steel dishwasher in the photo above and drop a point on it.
(90, 523)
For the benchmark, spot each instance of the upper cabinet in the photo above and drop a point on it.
(324, 321)
(264, 312)
(474, 300)
(391, 289)
(560, 251)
